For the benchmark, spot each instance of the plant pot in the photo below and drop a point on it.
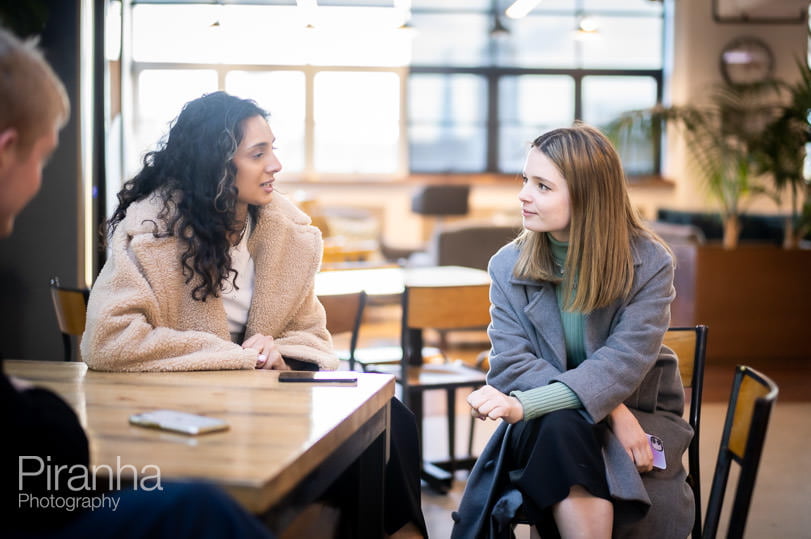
(756, 300)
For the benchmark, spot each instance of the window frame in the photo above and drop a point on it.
(493, 75)
(308, 173)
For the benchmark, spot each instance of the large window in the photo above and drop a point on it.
(281, 93)
(331, 77)
(529, 105)
(565, 60)
(357, 121)
(381, 88)
(447, 122)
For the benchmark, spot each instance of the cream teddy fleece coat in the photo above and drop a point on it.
(141, 316)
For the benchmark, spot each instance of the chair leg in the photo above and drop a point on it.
(437, 478)
(68, 347)
(414, 403)
(450, 395)
(470, 436)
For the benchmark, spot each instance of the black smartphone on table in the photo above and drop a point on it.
(324, 377)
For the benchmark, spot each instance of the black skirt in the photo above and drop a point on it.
(548, 456)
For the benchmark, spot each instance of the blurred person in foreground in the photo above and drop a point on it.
(38, 426)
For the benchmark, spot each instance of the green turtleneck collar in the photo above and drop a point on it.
(559, 250)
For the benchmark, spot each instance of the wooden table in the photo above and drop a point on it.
(387, 284)
(392, 281)
(338, 250)
(286, 443)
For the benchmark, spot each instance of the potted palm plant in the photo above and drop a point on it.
(721, 137)
(780, 152)
(745, 141)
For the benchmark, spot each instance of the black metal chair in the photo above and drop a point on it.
(70, 306)
(750, 404)
(344, 314)
(690, 345)
(438, 308)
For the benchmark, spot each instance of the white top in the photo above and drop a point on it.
(238, 302)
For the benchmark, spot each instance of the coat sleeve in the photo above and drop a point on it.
(287, 252)
(127, 328)
(514, 364)
(306, 337)
(631, 347)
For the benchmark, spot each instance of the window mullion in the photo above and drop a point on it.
(309, 123)
(492, 122)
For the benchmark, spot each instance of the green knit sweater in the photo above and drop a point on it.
(557, 396)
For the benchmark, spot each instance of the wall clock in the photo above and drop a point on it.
(746, 60)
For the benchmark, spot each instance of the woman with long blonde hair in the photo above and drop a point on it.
(580, 304)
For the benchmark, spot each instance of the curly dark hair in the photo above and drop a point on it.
(192, 171)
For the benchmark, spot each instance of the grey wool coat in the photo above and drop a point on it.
(626, 363)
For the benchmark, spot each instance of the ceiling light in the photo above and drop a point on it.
(588, 28)
(520, 8)
(588, 24)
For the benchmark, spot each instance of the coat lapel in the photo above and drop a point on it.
(541, 301)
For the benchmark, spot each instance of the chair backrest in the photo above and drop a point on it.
(440, 200)
(690, 346)
(468, 244)
(750, 404)
(440, 308)
(70, 306)
(344, 314)
(446, 307)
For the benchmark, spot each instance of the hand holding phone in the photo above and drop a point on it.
(658, 449)
(175, 421)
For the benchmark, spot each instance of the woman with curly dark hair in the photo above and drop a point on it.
(197, 235)
(210, 268)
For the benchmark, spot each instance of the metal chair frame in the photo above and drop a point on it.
(70, 307)
(345, 314)
(750, 404)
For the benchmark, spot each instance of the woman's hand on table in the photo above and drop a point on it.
(269, 355)
(490, 403)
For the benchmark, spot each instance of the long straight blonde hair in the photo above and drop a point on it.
(599, 266)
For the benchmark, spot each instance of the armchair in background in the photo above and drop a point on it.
(435, 202)
(469, 244)
(683, 239)
(441, 200)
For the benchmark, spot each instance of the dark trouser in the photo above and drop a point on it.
(548, 456)
(401, 489)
